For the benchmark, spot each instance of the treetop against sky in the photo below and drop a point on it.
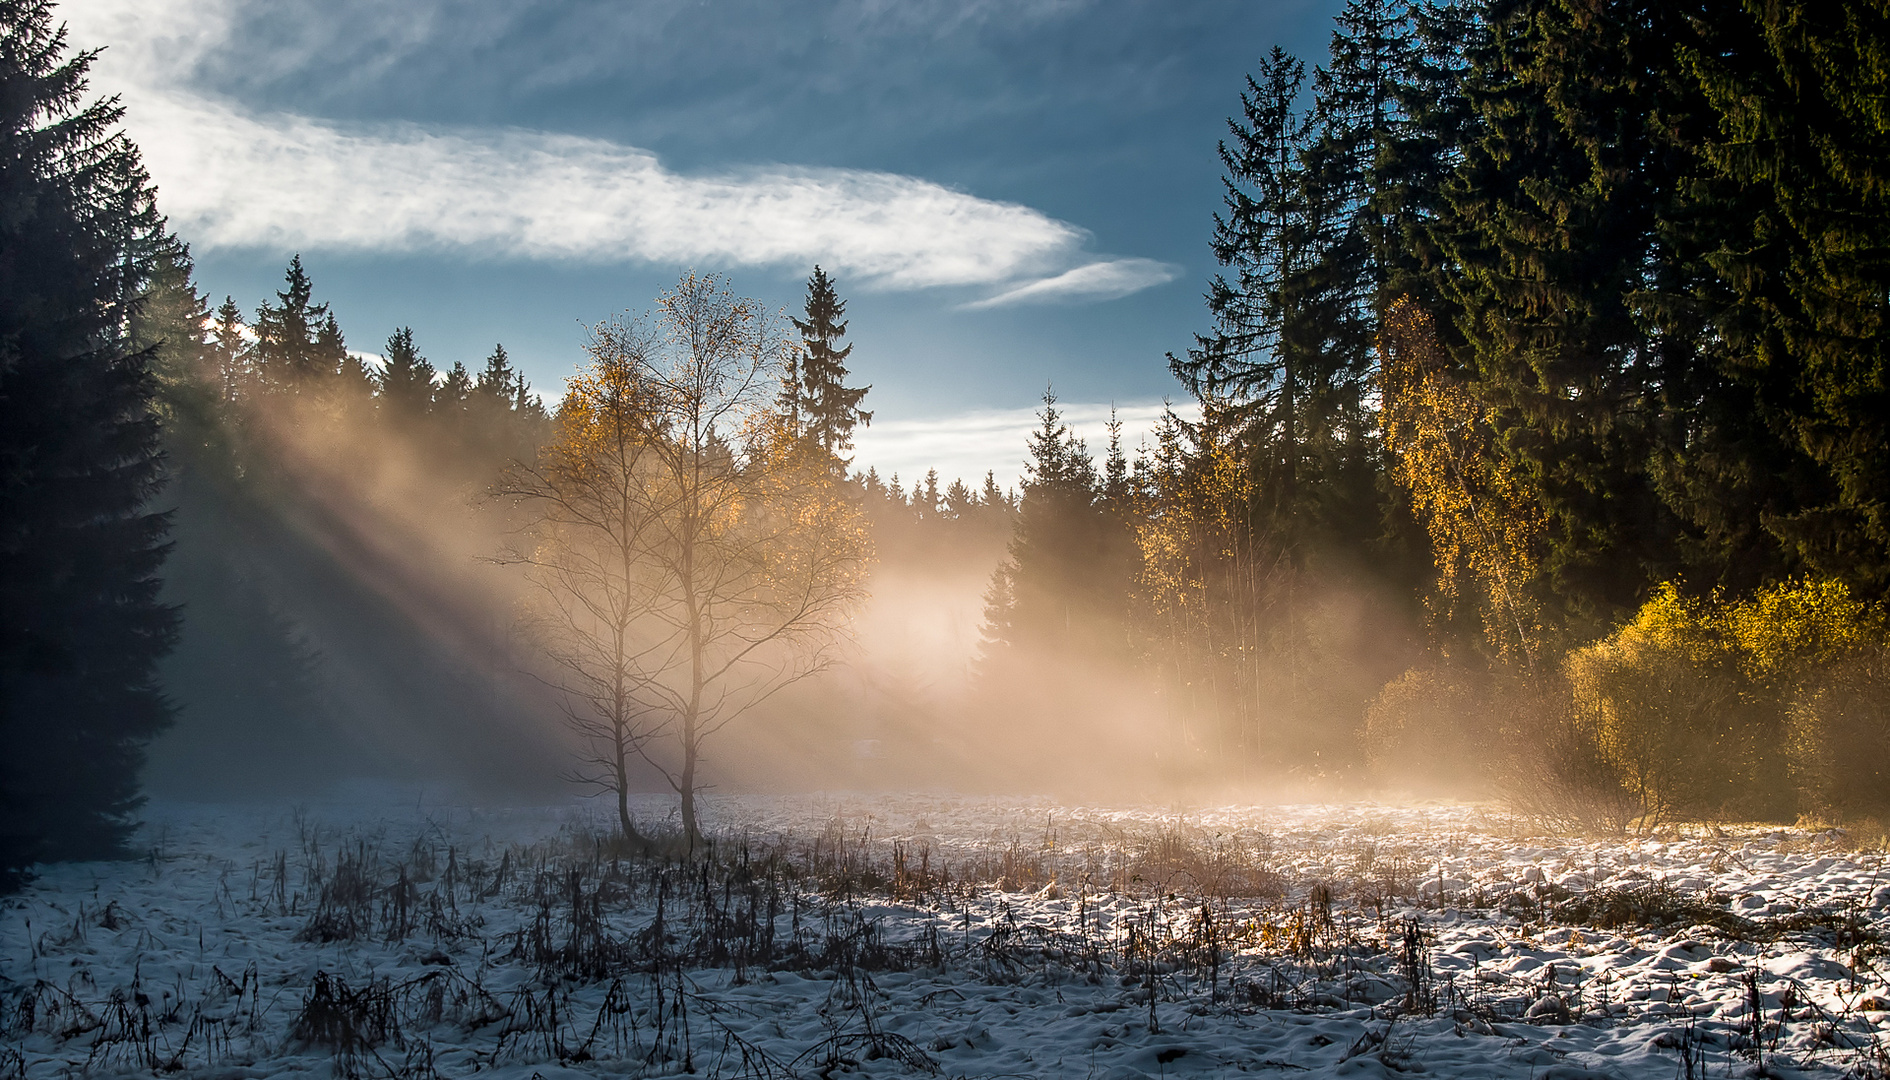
(1010, 195)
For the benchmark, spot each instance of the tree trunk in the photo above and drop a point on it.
(692, 714)
(630, 834)
(692, 834)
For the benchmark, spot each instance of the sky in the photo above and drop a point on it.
(1012, 195)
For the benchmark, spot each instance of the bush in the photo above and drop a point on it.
(1839, 740)
(1745, 709)
(1429, 726)
(1664, 704)
(1554, 772)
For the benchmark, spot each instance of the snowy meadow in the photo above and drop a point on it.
(935, 935)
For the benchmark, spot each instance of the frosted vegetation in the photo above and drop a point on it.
(923, 935)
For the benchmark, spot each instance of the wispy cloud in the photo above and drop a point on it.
(232, 180)
(1104, 280)
(235, 178)
(967, 445)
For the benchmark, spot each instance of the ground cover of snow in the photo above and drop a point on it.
(938, 935)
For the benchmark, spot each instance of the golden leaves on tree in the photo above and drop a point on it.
(1482, 513)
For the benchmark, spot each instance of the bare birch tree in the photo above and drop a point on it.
(691, 556)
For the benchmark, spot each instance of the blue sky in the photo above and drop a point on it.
(1010, 194)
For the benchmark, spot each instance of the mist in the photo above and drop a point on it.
(348, 621)
(1484, 669)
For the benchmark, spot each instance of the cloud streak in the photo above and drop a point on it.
(1105, 280)
(230, 180)
(235, 179)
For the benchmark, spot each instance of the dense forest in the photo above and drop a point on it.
(1542, 422)
(1540, 452)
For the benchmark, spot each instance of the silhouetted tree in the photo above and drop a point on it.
(814, 390)
(297, 343)
(406, 377)
(79, 459)
(1057, 594)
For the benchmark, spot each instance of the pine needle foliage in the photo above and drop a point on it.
(80, 546)
(814, 394)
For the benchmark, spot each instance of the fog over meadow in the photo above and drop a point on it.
(948, 539)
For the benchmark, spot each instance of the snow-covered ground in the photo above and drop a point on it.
(916, 935)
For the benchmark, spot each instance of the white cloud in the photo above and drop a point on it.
(230, 178)
(1105, 280)
(967, 445)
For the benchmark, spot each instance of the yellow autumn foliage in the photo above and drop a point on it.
(1745, 708)
(1482, 513)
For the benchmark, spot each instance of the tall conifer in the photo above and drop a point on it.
(827, 408)
(292, 352)
(1794, 214)
(406, 377)
(1555, 239)
(79, 459)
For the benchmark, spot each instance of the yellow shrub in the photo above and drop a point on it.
(1661, 700)
(1706, 707)
(1787, 635)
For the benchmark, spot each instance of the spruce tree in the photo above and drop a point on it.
(1116, 490)
(292, 352)
(1429, 126)
(1055, 595)
(1262, 239)
(453, 392)
(355, 381)
(1358, 117)
(1285, 372)
(815, 390)
(1794, 214)
(1556, 244)
(236, 376)
(494, 383)
(991, 497)
(80, 549)
(959, 501)
(406, 378)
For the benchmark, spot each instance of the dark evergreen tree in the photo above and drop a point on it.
(356, 382)
(1358, 117)
(406, 378)
(453, 392)
(79, 460)
(236, 376)
(495, 382)
(1791, 214)
(1359, 114)
(960, 503)
(1286, 371)
(1117, 491)
(1251, 359)
(1428, 128)
(1556, 241)
(292, 353)
(815, 393)
(1064, 590)
(992, 497)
